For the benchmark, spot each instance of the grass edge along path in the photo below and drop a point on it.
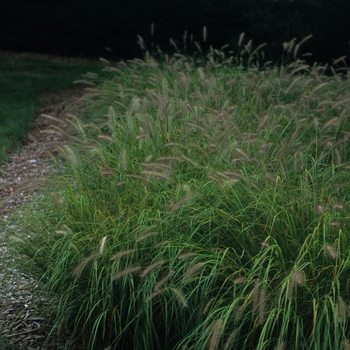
(206, 208)
(23, 79)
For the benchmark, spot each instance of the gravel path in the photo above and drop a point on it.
(21, 302)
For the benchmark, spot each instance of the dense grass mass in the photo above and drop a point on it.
(206, 207)
(22, 80)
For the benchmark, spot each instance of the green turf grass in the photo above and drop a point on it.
(22, 80)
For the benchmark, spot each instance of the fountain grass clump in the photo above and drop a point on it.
(205, 207)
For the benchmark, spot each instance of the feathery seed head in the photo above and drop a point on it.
(331, 123)
(281, 346)
(342, 309)
(186, 255)
(239, 280)
(346, 345)
(122, 253)
(298, 277)
(265, 244)
(107, 172)
(335, 223)
(154, 295)
(230, 340)
(175, 206)
(81, 266)
(214, 340)
(262, 307)
(331, 252)
(180, 297)
(125, 272)
(192, 271)
(239, 312)
(338, 206)
(163, 281)
(320, 209)
(102, 244)
(105, 137)
(146, 234)
(151, 268)
(240, 40)
(256, 294)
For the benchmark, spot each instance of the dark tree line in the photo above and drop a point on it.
(73, 27)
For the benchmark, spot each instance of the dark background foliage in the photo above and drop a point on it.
(87, 28)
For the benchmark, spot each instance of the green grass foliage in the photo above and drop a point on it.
(205, 207)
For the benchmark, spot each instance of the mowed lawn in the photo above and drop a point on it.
(23, 78)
